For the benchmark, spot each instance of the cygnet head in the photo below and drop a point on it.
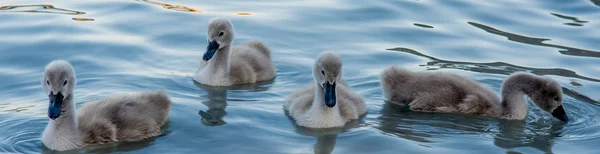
(59, 82)
(549, 98)
(220, 34)
(327, 72)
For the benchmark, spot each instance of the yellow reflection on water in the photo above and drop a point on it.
(83, 19)
(244, 14)
(172, 6)
(39, 8)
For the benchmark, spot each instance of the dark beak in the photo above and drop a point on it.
(560, 114)
(210, 50)
(55, 105)
(329, 94)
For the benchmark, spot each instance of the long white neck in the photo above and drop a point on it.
(63, 133)
(219, 64)
(514, 90)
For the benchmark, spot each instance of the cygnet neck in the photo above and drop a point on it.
(319, 101)
(220, 62)
(513, 91)
(67, 122)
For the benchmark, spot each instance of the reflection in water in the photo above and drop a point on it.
(325, 144)
(576, 21)
(501, 68)
(433, 127)
(39, 8)
(244, 14)
(83, 19)
(216, 103)
(538, 41)
(326, 137)
(422, 126)
(172, 6)
(217, 100)
(514, 134)
(254, 87)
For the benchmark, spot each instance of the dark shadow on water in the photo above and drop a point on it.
(422, 25)
(38, 8)
(502, 68)
(429, 127)
(596, 2)
(217, 100)
(579, 96)
(576, 21)
(574, 24)
(326, 137)
(538, 41)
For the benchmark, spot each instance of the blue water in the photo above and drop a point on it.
(122, 46)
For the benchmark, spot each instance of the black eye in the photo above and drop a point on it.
(47, 82)
(221, 34)
(65, 83)
(557, 99)
(322, 72)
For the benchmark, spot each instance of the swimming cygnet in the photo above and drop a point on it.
(328, 101)
(225, 65)
(451, 93)
(123, 118)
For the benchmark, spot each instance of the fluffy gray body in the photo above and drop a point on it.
(130, 117)
(451, 93)
(249, 62)
(306, 105)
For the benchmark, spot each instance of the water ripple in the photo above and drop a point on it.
(26, 139)
(576, 21)
(39, 8)
(422, 25)
(171, 6)
(537, 41)
(493, 67)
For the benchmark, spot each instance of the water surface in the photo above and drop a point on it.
(122, 46)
